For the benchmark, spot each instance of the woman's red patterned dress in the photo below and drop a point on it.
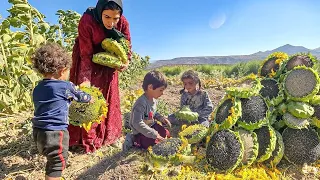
(91, 34)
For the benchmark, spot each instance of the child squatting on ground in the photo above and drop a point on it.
(52, 97)
(196, 98)
(145, 130)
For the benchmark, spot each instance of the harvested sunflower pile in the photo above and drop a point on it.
(269, 117)
(278, 117)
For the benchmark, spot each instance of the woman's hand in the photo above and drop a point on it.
(85, 84)
(124, 67)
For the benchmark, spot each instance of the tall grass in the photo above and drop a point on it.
(231, 71)
(173, 70)
(243, 69)
(210, 69)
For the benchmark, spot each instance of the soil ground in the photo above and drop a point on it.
(19, 158)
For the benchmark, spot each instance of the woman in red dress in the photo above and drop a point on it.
(96, 24)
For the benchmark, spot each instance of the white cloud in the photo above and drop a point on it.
(217, 20)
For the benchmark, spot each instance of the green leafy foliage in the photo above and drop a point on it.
(295, 122)
(68, 27)
(300, 109)
(21, 33)
(136, 68)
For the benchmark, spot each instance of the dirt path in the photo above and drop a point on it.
(172, 97)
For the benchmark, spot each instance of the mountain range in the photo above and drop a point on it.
(232, 59)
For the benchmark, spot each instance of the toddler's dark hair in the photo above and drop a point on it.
(190, 74)
(156, 78)
(50, 58)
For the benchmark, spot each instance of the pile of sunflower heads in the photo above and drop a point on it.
(269, 116)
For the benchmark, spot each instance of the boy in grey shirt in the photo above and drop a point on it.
(145, 130)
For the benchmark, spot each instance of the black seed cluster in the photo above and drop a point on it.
(254, 109)
(316, 111)
(268, 65)
(298, 61)
(264, 138)
(279, 117)
(301, 146)
(167, 147)
(223, 111)
(300, 82)
(194, 133)
(270, 88)
(223, 150)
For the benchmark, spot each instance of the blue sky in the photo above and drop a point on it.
(178, 28)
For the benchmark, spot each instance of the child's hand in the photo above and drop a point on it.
(85, 84)
(160, 138)
(91, 100)
(167, 122)
(148, 121)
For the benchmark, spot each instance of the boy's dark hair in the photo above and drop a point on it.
(50, 58)
(190, 74)
(156, 78)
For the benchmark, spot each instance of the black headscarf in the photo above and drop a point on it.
(96, 12)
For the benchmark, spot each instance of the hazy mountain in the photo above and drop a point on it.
(289, 49)
(316, 50)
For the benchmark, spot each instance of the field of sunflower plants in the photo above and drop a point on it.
(24, 30)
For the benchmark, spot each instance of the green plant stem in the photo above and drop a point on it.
(8, 51)
(31, 28)
(6, 65)
(60, 36)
